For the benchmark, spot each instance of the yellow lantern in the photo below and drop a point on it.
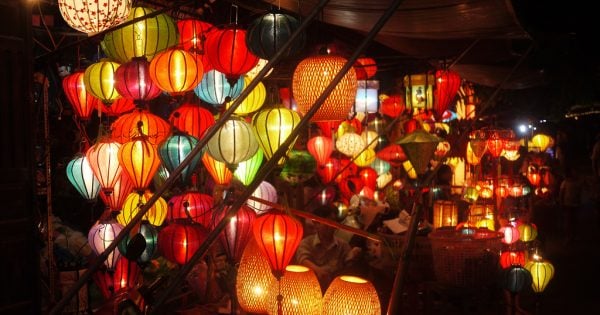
(384, 179)
(272, 127)
(254, 100)
(135, 201)
(527, 232)
(99, 80)
(350, 144)
(89, 17)
(487, 223)
(365, 158)
(233, 143)
(219, 172)
(541, 273)
(300, 291)
(140, 160)
(445, 213)
(541, 141)
(176, 71)
(351, 295)
(370, 138)
(410, 170)
(478, 212)
(472, 158)
(419, 91)
(253, 280)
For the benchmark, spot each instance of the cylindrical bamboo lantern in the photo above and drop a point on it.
(253, 280)
(445, 213)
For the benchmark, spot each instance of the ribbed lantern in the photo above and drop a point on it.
(176, 71)
(393, 106)
(300, 290)
(114, 201)
(150, 235)
(365, 158)
(380, 166)
(447, 83)
(268, 33)
(495, 146)
(99, 80)
(541, 273)
(179, 241)
(265, 191)
(511, 150)
(89, 17)
(126, 276)
(104, 160)
(246, 170)
(299, 167)
(100, 236)
(515, 279)
(227, 52)
(253, 280)
(140, 160)
(369, 177)
(350, 144)
(133, 204)
(278, 235)
(144, 38)
(512, 258)
(175, 149)
(117, 107)
(192, 205)
(351, 295)
(510, 234)
(272, 127)
(192, 37)
(81, 176)
(383, 180)
(328, 170)
(527, 232)
(419, 147)
(371, 138)
(310, 79)
(254, 101)
(233, 143)
(82, 102)
(215, 90)
(237, 232)
(320, 148)
(140, 122)
(192, 119)
(217, 170)
(132, 80)
(541, 141)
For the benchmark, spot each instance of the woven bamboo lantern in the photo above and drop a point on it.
(272, 127)
(81, 176)
(140, 160)
(80, 99)
(176, 71)
(253, 280)
(104, 161)
(300, 292)
(192, 119)
(89, 17)
(99, 80)
(352, 296)
(445, 213)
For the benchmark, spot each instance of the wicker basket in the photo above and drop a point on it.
(465, 260)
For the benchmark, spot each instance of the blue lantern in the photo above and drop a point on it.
(81, 176)
(175, 149)
(216, 90)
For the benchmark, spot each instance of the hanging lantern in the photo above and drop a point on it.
(478, 212)
(192, 37)
(501, 192)
(533, 176)
(126, 275)
(140, 122)
(150, 235)
(175, 149)
(215, 90)
(265, 191)
(89, 17)
(300, 290)
(441, 150)
(409, 169)
(383, 180)
(272, 127)
(541, 273)
(176, 71)
(192, 205)
(380, 166)
(100, 236)
(367, 66)
(237, 232)
(254, 100)
(246, 170)
(114, 201)
(192, 119)
(253, 280)
(227, 51)
(495, 146)
(350, 186)
(445, 213)
(419, 147)
(512, 258)
(367, 100)
(117, 107)
(299, 167)
(140, 161)
(347, 169)
(392, 106)
(370, 138)
(352, 296)
(328, 170)
(268, 33)
(310, 79)
(233, 143)
(99, 81)
(320, 148)
(350, 144)
(527, 232)
(365, 158)
(144, 38)
(278, 235)
(132, 80)
(541, 141)
(353, 125)
(217, 170)
(369, 177)
(81, 176)
(510, 234)
(104, 161)
(103, 280)
(179, 241)
(515, 279)
(511, 150)
(447, 83)
(393, 153)
(133, 204)
(80, 99)
(419, 92)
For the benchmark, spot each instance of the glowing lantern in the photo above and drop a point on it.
(246, 170)
(253, 280)
(384, 179)
(100, 236)
(541, 141)
(254, 100)
(329, 170)
(350, 144)
(104, 161)
(140, 123)
(419, 91)
(217, 170)
(300, 290)
(369, 177)
(419, 147)
(367, 100)
(515, 279)
(370, 138)
(299, 167)
(272, 127)
(347, 169)
(237, 232)
(278, 236)
(495, 146)
(99, 80)
(393, 154)
(445, 213)
(365, 158)
(227, 51)
(176, 71)
(179, 241)
(192, 119)
(114, 201)
(367, 66)
(215, 90)
(392, 106)
(89, 17)
(480, 211)
(140, 161)
(175, 149)
(310, 79)
(192, 205)
(126, 274)
(144, 38)
(133, 204)
(541, 273)
(472, 157)
(265, 191)
(486, 223)
(117, 107)
(81, 176)
(350, 186)
(409, 169)
(83, 102)
(192, 37)
(380, 166)
(353, 125)
(516, 191)
(510, 234)
(527, 232)
(132, 80)
(150, 236)
(268, 33)
(320, 148)
(447, 83)
(258, 68)
(352, 296)
(233, 143)
(533, 176)
(512, 258)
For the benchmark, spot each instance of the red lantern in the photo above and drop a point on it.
(393, 106)
(533, 176)
(328, 127)
(512, 258)
(501, 192)
(192, 119)
(393, 154)
(368, 67)
(495, 146)
(104, 161)
(176, 71)
(179, 241)
(237, 232)
(140, 160)
(410, 126)
(328, 170)
(123, 187)
(117, 107)
(140, 123)
(447, 84)
(320, 148)
(126, 274)
(104, 281)
(83, 102)
(228, 53)
(192, 36)
(191, 205)
(132, 80)
(350, 186)
(369, 177)
(278, 235)
(217, 170)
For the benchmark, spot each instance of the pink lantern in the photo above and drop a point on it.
(191, 205)
(510, 234)
(237, 232)
(264, 191)
(100, 236)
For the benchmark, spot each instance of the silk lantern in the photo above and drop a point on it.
(114, 201)
(510, 234)
(352, 296)
(228, 53)
(81, 176)
(419, 92)
(320, 148)
(541, 273)
(365, 158)
(179, 241)
(265, 191)
(393, 106)
(368, 67)
(140, 160)
(192, 119)
(257, 69)
(99, 80)
(126, 275)
(192, 205)
(369, 177)
(100, 236)
(541, 141)
(447, 83)
(177, 148)
(527, 232)
(233, 143)
(89, 17)
(300, 292)
(495, 146)
(328, 170)
(269, 32)
(237, 232)
(383, 180)
(515, 279)
(253, 280)
(512, 258)
(104, 161)
(117, 107)
(134, 202)
(192, 37)
(253, 101)
(132, 80)
(215, 90)
(176, 71)
(272, 127)
(246, 170)
(311, 77)
(138, 123)
(80, 99)
(370, 138)
(380, 166)
(218, 170)
(150, 235)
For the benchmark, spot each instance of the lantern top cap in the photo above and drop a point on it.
(296, 268)
(353, 279)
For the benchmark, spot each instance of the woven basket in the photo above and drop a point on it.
(465, 260)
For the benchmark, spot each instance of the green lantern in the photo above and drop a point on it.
(80, 174)
(141, 246)
(175, 149)
(299, 167)
(246, 171)
(272, 127)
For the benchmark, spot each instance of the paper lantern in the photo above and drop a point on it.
(126, 275)
(367, 100)
(237, 232)
(100, 236)
(140, 123)
(268, 33)
(117, 107)
(272, 127)
(352, 296)
(265, 191)
(300, 292)
(365, 158)
(215, 90)
(104, 161)
(254, 100)
(541, 273)
(246, 170)
(179, 241)
(81, 176)
(510, 234)
(511, 150)
(393, 153)
(541, 141)
(527, 232)
(368, 67)
(175, 149)
(328, 170)
(144, 38)
(103, 280)
(233, 143)
(311, 77)
(515, 279)
(445, 213)
(278, 235)
(192, 205)
(299, 167)
(150, 235)
(192, 119)
(227, 51)
(99, 80)
(132, 80)
(419, 147)
(192, 37)
(350, 144)
(176, 71)
(392, 106)
(140, 160)
(253, 280)
(353, 125)
(320, 148)
(217, 170)
(447, 83)
(80, 99)
(89, 17)
(133, 204)
(512, 258)
(419, 91)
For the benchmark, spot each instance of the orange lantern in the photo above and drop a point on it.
(217, 170)
(253, 280)
(495, 146)
(533, 176)
(351, 296)
(176, 71)
(393, 106)
(192, 119)
(140, 123)
(140, 160)
(117, 107)
(320, 148)
(300, 290)
(104, 161)
(114, 201)
(192, 36)
(83, 102)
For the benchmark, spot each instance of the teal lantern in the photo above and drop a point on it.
(299, 167)
(246, 170)
(175, 149)
(142, 246)
(380, 166)
(81, 176)
(215, 90)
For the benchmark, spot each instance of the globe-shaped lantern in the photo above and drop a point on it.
(150, 235)
(510, 234)
(512, 258)
(370, 138)
(366, 68)
(80, 99)
(217, 170)
(351, 295)
(254, 100)
(140, 160)
(99, 80)
(126, 275)
(350, 144)
(369, 177)
(179, 241)
(192, 37)
(175, 149)
(300, 290)
(176, 71)
(447, 83)
(132, 80)
(365, 158)
(329, 170)
(237, 232)
(541, 141)
(227, 52)
(299, 167)
(380, 166)
(89, 17)
(320, 148)
(527, 232)
(215, 90)
(192, 205)
(133, 204)
(515, 279)
(114, 201)
(144, 38)
(117, 107)
(265, 191)
(140, 122)
(392, 106)
(272, 127)
(104, 161)
(268, 33)
(246, 170)
(81, 176)
(100, 236)
(233, 143)
(253, 280)
(541, 273)
(310, 79)
(192, 119)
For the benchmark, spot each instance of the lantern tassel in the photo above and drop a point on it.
(279, 297)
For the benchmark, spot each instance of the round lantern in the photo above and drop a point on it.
(237, 232)
(144, 38)
(328, 170)
(175, 149)
(133, 204)
(100, 236)
(83, 102)
(126, 275)
(447, 83)
(515, 279)
(176, 71)
(350, 186)
(541, 273)
(365, 158)
(350, 144)
(254, 100)
(81, 176)
(217, 170)
(192, 37)
(117, 107)
(392, 106)
(233, 143)
(140, 123)
(541, 141)
(393, 153)
(215, 90)
(114, 201)
(320, 148)
(132, 80)
(272, 127)
(527, 232)
(265, 191)
(104, 161)
(278, 235)
(150, 235)
(99, 80)
(246, 170)
(352, 296)
(179, 241)
(300, 290)
(369, 177)
(367, 66)
(299, 167)
(89, 17)
(511, 150)
(310, 79)
(380, 166)
(383, 180)
(192, 119)
(227, 52)
(140, 160)
(512, 258)
(253, 280)
(510, 234)
(268, 33)
(192, 205)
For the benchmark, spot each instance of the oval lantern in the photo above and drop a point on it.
(140, 122)
(132, 81)
(114, 201)
(253, 280)
(371, 138)
(100, 236)
(512, 258)
(541, 273)
(215, 90)
(192, 37)
(393, 154)
(133, 204)
(383, 180)
(227, 52)
(192, 119)
(350, 144)
(81, 176)
(272, 127)
(80, 99)
(265, 191)
(140, 160)
(88, 17)
(150, 235)
(380, 166)
(253, 101)
(447, 83)
(515, 279)
(527, 232)
(541, 141)
(369, 177)
(320, 148)
(351, 295)
(347, 169)
(510, 234)
(237, 232)
(268, 33)
(392, 106)
(192, 205)
(117, 107)
(176, 71)
(365, 158)
(179, 241)
(99, 80)
(246, 170)
(104, 161)
(177, 148)
(233, 143)
(278, 235)
(218, 170)
(300, 290)
(311, 77)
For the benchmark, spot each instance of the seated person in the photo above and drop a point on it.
(323, 252)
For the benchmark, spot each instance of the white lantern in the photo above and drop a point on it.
(264, 191)
(90, 16)
(367, 100)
